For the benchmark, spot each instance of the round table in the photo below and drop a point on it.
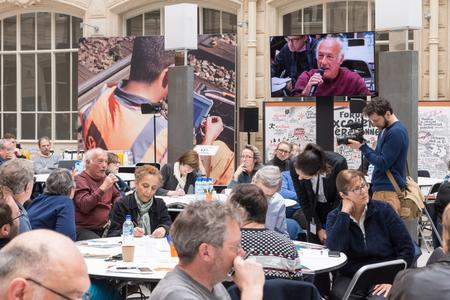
(155, 254)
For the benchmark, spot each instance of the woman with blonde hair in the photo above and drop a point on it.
(251, 162)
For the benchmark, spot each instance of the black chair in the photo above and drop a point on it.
(283, 289)
(368, 275)
(426, 222)
(127, 170)
(423, 173)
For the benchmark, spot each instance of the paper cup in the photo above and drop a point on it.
(127, 253)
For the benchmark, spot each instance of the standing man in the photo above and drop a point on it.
(42, 264)
(94, 196)
(17, 179)
(390, 153)
(207, 238)
(334, 80)
(46, 161)
(296, 56)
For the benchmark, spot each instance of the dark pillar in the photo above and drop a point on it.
(324, 123)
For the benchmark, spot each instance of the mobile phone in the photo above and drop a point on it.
(334, 254)
(144, 269)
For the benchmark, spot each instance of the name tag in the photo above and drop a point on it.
(312, 227)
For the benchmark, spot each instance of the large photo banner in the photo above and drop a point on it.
(295, 122)
(117, 75)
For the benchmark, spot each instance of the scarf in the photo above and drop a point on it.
(180, 178)
(144, 217)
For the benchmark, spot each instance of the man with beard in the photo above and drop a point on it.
(9, 218)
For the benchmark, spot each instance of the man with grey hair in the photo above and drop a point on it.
(42, 264)
(54, 208)
(268, 179)
(6, 150)
(207, 238)
(94, 195)
(330, 79)
(17, 176)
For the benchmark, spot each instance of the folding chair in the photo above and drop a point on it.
(368, 275)
(426, 223)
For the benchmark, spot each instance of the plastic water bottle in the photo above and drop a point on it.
(127, 231)
(199, 189)
(370, 171)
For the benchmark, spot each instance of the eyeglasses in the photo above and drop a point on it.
(246, 156)
(283, 151)
(363, 187)
(296, 39)
(85, 296)
(12, 220)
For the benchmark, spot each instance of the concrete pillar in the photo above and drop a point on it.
(433, 45)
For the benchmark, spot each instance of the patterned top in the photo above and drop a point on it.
(274, 251)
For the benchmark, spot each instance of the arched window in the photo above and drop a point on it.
(38, 62)
(209, 20)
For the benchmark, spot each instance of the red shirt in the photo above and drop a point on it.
(92, 205)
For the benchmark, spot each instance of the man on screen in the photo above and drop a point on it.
(330, 79)
(296, 56)
(115, 122)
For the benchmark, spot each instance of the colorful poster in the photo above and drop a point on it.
(296, 122)
(117, 75)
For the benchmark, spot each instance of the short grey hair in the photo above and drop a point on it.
(3, 143)
(91, 153)
(341, 41)
(269, 176)
(200, 222)
(59, 182)
(16, 174)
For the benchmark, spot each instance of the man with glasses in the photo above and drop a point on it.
(9, 219)
(207, 238)
(6, 150)
(94, 196)
(42, 264)
(296, 56)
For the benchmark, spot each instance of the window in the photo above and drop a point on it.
(37, 91)
(212, 21)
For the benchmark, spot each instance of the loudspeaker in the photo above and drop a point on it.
(248, 119)
(357, 105)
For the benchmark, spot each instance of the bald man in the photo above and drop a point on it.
(42, 264)
(95, 195)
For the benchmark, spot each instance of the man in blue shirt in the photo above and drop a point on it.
(390, 153)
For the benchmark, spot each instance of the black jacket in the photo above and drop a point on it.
(283, 165)
(170, 182)
(306, 193)
(428, 283)
(159, 217)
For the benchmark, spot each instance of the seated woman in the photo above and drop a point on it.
(250, 164)
(367, 231)
(149, 214)
(54, 208)
(179, 179)
(274, 251)
(281, 157)
(112, 167)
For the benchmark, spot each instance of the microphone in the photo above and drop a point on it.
(107, 172)
(313, 89)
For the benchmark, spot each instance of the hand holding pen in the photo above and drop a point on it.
(248, 276)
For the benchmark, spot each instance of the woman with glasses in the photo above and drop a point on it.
(367, 231)
(250, 164)
(273, 250)
(281, 158)
(54, 209)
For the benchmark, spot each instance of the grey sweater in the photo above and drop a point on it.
(46, 164)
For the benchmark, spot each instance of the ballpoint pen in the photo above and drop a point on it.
(247, 254)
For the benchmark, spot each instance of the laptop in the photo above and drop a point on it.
(67, 164)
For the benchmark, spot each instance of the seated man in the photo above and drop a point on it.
(268, 179)
(17, 178)
(6, 150)
(42, 264)
(430, 282)
(94, 196)
(9, 219)
(45, 161)
(330, 79)
(207, 239)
